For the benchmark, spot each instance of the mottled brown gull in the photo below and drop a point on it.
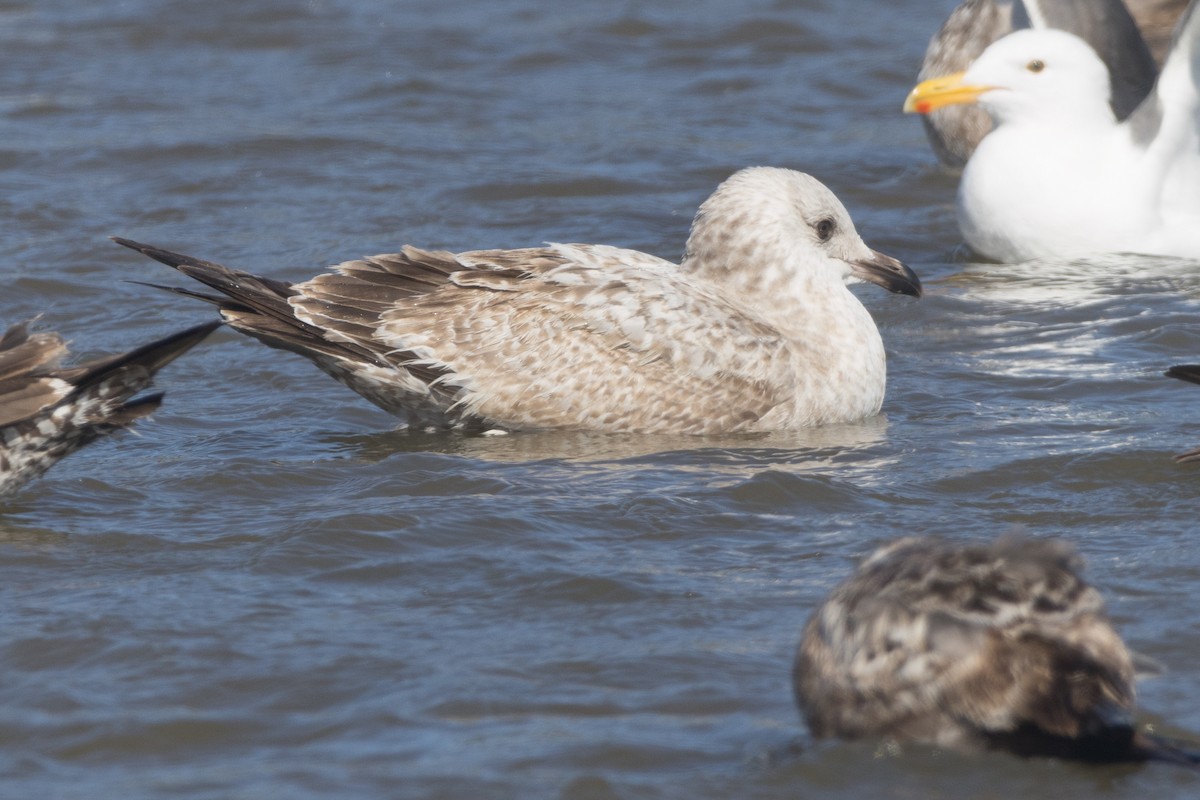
(755, 330)
(979, 646)
(48, 411)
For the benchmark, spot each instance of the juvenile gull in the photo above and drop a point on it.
(48, 411)
(1060, 176)
(969, 647)
(1191, 374)
(1132, 47)
(755, 330)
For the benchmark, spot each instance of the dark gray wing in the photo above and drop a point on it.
(1111, 31)
(955, 131)
(1173, 103)
(1156, 20)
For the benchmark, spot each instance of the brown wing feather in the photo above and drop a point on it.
(22, 352)
(519, 335)
(352, 302)
(484, 318)
(341, 345)
(150, 357)
(48, 412)
(257, 306)
(23, 389)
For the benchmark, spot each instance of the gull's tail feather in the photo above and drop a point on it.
(47, 412)
(1152, 747)
(1191, 374)
(254, 305)
(1185, 372)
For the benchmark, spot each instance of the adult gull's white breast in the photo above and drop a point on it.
(1060, 176)
(754, 330)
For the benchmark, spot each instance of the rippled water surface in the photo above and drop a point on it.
(269, 593)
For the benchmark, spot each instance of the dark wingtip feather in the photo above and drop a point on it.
(1185, 372)
(133, 410)
(153, 356)
(164, 351)
(1173, 751)
(157, 253)
(239, 285)
(208, 298)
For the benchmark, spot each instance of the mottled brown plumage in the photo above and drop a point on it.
(1001, 645)
(755, 330)
(48, 411)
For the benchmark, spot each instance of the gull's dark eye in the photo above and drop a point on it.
(824, 229)
(1037, 65)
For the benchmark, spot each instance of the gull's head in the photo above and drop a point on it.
(1042, 73)
(767, 230)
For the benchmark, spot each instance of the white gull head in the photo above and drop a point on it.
(779, 244)
(771, 233)
(1043, 75)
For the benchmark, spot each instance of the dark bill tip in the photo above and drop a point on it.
(888, 272)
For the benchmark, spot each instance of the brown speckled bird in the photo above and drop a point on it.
(967, 647)
(48, 411)
(755, 330)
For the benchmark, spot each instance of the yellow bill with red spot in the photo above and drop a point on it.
(948, 90)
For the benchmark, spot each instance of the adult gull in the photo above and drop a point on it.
(48, 411)
(754, 330)
(1131, 41)
(1060, 176)
(969, 647)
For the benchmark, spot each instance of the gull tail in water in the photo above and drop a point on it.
(48, 411)
(1191, 374)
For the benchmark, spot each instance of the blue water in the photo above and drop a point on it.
(268, 593)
